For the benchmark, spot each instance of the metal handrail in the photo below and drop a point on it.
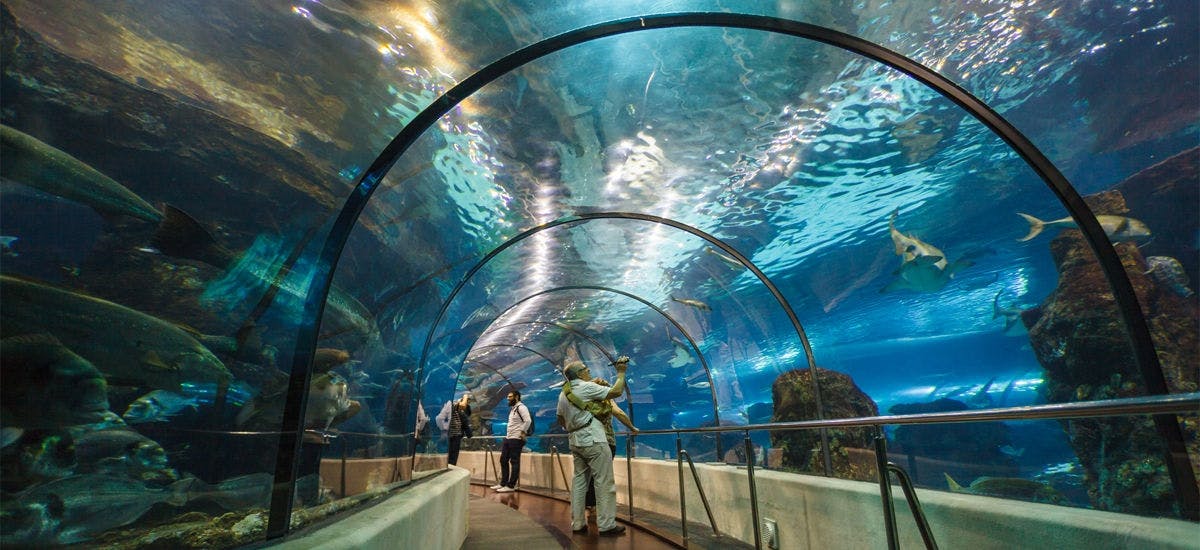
(700, 489)
(1176, 403)
(914, 505)
(753, 492)
(910, 495)
(489, 459)
(556, 457)
(1179, 403)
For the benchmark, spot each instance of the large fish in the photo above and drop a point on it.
(129, 347)
(29, 161)
(1008, 487)
(923, 267)
(1169, 273)
(46, 385)
(1118, 228)
(77, 508)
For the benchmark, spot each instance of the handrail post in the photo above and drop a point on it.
(491, 457)
(682, 495)
(561, 469)
(343, 493)
(914, 505)
(553, 451)
(629, 472)
(700, 489)
(753, 492)
(885, 489)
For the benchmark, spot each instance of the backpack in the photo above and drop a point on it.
(529, 430)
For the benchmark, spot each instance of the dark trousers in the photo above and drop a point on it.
(455, 443)
(590, 499)
(510, 454)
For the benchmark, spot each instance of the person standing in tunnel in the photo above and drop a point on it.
(514, 440)
(604, 411)
(589, 447)
(459, 426)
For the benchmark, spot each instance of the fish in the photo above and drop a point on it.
(6, 246)
(158, 406)
(10, 435)
(681, 358)
(30, 161)
(1013, 325)
(1168, 272)
(328, 402)
(651, 377)
(1008, 487)
(729, 261)
(923, 267)
(121, 451)
(1118, 228)
(127, 346)
(692, 303)
(1009, 450)
(76, 508)
(47, 386)
(700, 385)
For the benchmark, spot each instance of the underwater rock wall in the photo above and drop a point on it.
(1081, 341)
(793, 398)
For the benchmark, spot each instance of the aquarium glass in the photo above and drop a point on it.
(771, 228)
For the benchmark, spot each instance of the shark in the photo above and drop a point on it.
(923, 267)
(1013, 326)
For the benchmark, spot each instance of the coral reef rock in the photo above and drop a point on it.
(840, 397)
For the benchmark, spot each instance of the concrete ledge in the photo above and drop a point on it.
(431, 514)
(817, 512)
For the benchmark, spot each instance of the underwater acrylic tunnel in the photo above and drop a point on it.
(802, 221)
(373, 176)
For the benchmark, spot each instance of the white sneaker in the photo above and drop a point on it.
(496, 487)
(506, 490)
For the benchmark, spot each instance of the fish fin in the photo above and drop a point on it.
(996, 305)
(151, 358)
(1122, 225)
(954, 486)
(39, 338)
(1035, 226)
(894, 286)
(927, 260)
(180, 235)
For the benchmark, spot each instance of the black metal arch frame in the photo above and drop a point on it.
(661, 312)
(288, 454)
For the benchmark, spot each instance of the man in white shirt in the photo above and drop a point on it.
(514, 440)
(589, 447)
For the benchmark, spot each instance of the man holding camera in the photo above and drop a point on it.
(589, 447)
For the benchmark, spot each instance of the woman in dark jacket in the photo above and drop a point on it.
(460, 425)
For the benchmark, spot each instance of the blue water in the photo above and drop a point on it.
(793, 153)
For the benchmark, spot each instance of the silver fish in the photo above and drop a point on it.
(1118, 228)
(693, 303)
(30, 161)
(728, 260)
(1170, 274)
(158, 406)
(74, 509)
